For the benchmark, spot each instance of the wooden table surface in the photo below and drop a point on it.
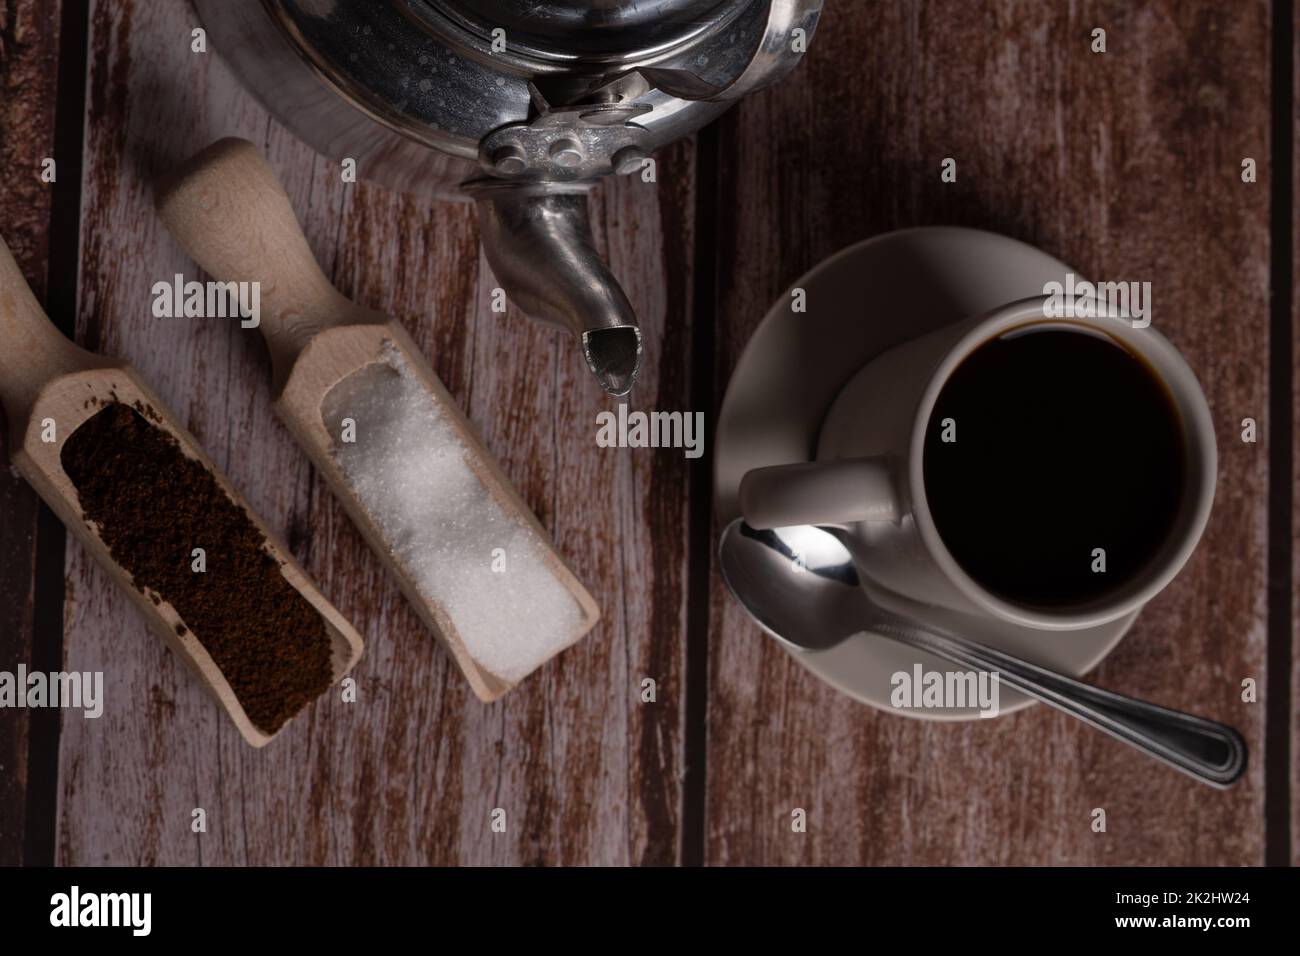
(1124, 164)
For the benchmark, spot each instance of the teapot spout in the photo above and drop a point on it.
(537, 237)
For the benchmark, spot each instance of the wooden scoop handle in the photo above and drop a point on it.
(227, 209)
(32, 351)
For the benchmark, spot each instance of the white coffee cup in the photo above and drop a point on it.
(868, 474)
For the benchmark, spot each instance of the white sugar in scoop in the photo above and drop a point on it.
(417, 482)
(491, 574)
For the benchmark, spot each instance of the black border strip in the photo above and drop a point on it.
(1281, 425)
(1086, 900)
(62, 285)
(700, 526)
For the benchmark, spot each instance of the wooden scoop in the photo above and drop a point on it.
(228, 210)
(44, 379)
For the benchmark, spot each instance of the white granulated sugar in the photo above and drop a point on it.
(408, 468)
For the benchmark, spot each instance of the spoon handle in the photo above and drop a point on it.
(1211, 752)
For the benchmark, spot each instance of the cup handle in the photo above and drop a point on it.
(819, 492)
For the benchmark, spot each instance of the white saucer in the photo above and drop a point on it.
(862, 301)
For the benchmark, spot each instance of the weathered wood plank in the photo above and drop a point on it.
(1126, 165)
(29, 43)
(411, 773)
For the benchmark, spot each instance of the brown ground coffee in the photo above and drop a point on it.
(153, 506)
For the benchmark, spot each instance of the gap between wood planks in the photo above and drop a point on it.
(1281, 543)
(62, 286)
(695, 743)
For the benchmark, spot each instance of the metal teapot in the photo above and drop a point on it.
(519, 105)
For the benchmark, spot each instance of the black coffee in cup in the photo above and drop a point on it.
(1055, 465)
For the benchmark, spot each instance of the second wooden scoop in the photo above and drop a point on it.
(51, 387)
(229, 212)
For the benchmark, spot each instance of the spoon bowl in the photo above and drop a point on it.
(799, 583)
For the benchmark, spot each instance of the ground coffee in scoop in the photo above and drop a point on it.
(153, 505)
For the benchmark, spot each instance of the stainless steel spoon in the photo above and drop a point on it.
(824, 604)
